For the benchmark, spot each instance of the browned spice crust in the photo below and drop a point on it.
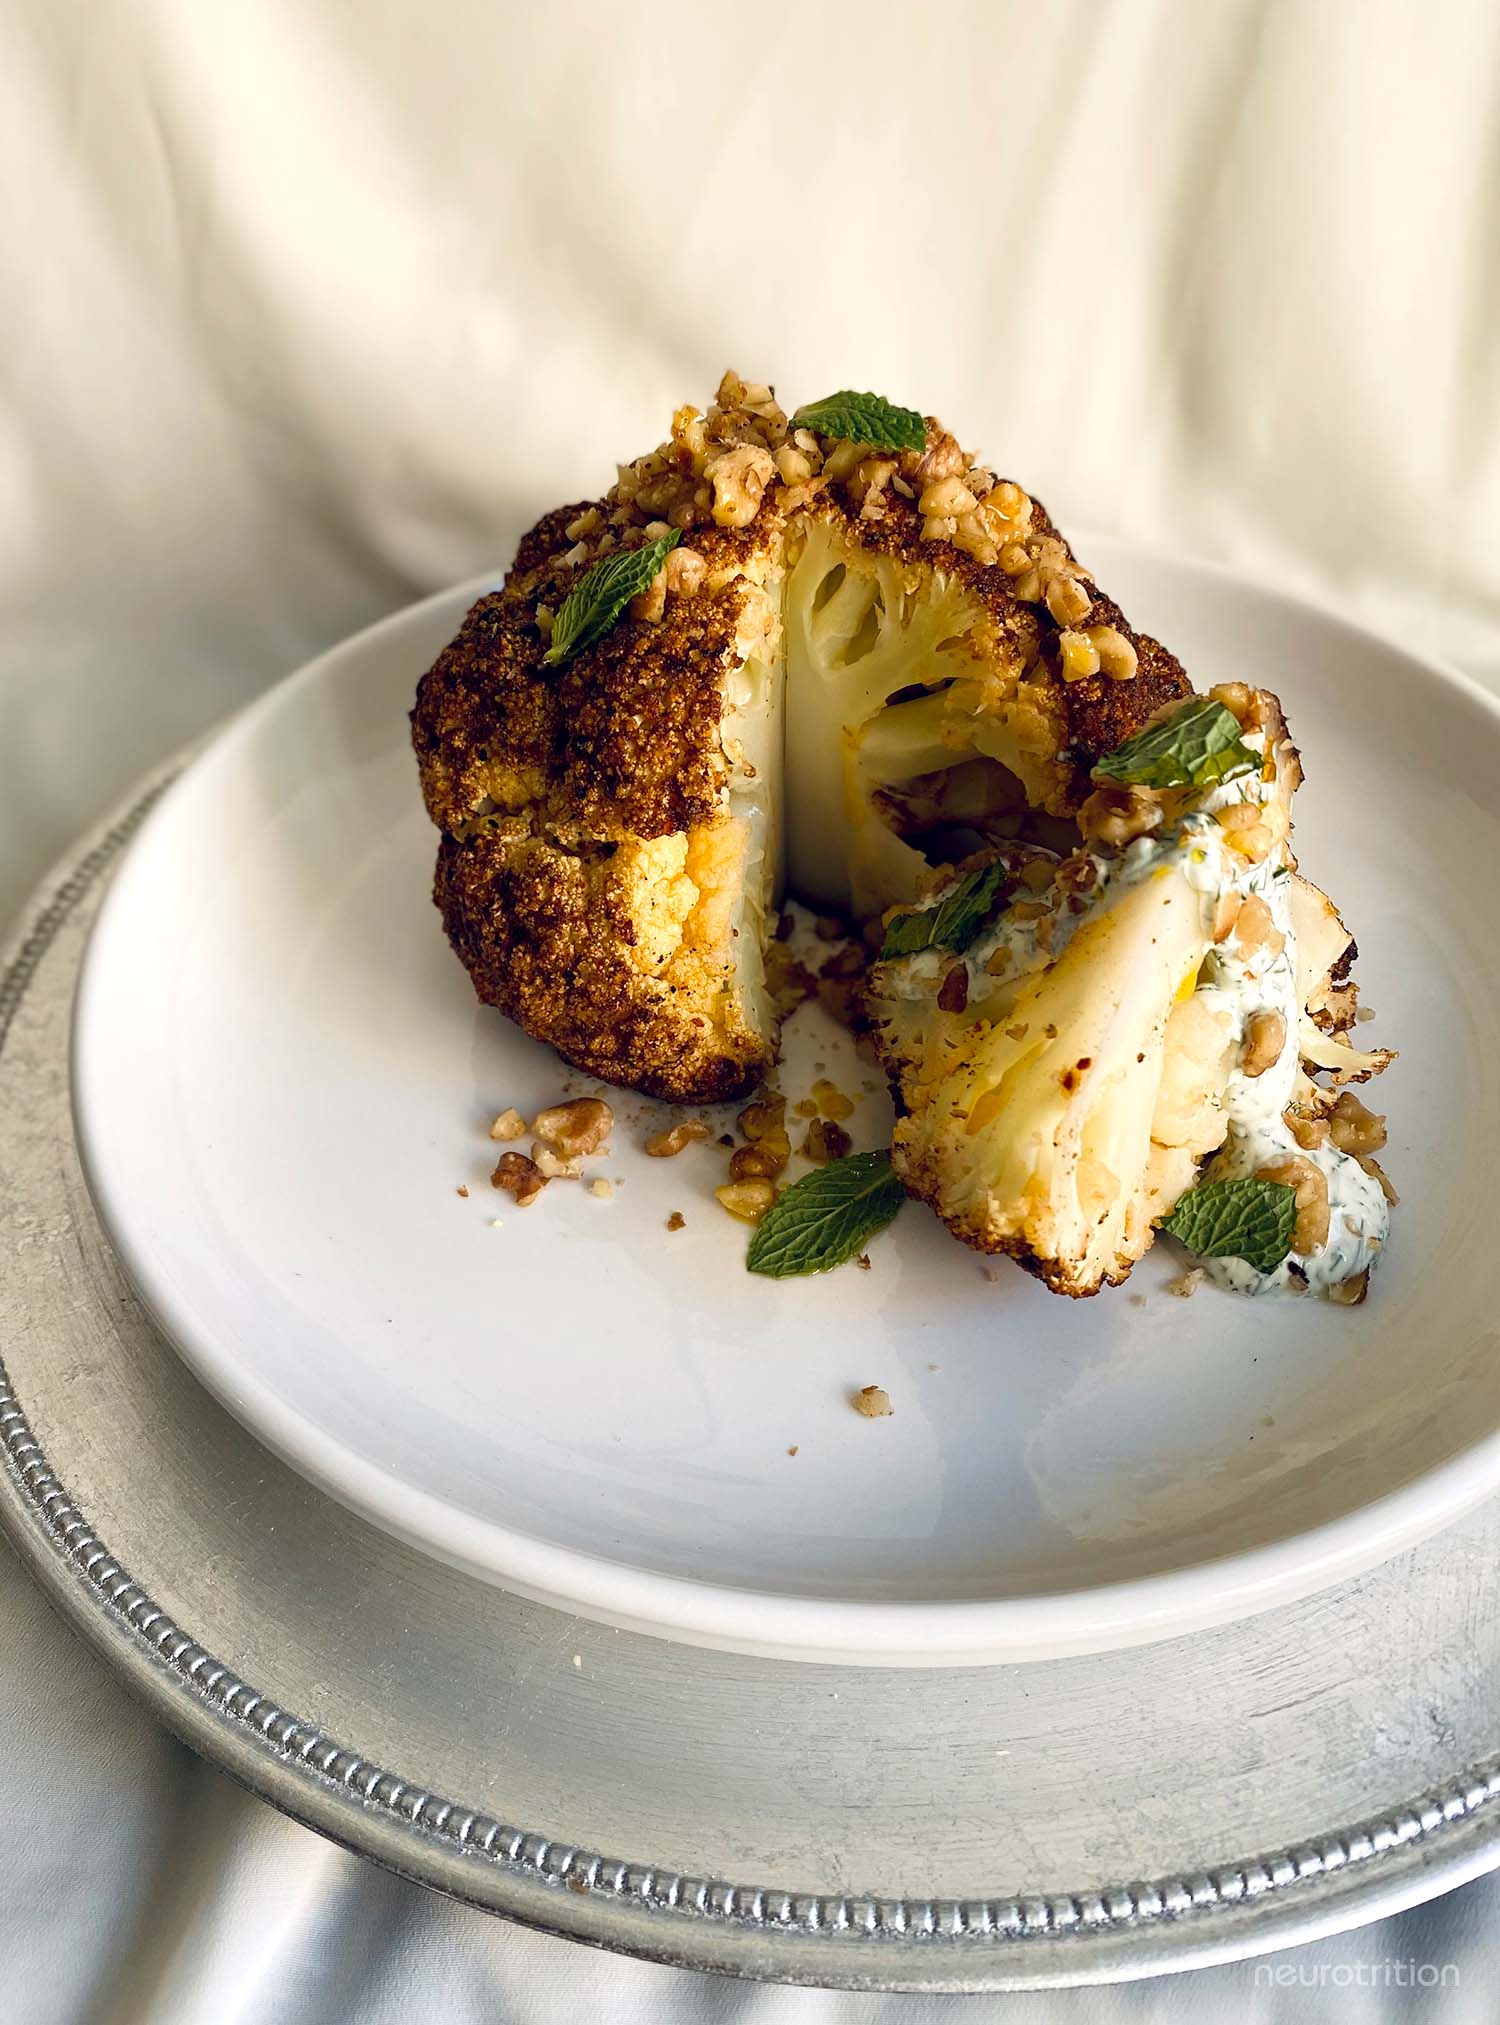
(544, 934)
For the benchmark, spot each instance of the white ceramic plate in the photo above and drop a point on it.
(282, 1078)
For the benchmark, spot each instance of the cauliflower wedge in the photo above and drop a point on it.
(1058, 1079)
(1070, 1038)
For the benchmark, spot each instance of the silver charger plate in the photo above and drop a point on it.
(1006, 1827)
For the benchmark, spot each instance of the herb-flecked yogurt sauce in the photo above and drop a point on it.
(1236, 983)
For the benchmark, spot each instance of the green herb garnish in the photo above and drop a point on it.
(602, 593)
(1196, 746)
(1247, 1219)
(827, 1217)
(954, 922)
(864, 418)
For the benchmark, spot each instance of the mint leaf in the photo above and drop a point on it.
(826, 1217)
(602, 593)
(864, 418)
(1247, 1219)
(1196, 746)
(954, 922)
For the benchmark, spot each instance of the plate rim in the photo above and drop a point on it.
(909, 1633)
(1443, 1837)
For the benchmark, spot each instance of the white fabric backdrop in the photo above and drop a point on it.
(304, 299)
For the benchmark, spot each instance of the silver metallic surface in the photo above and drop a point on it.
(996, 1827)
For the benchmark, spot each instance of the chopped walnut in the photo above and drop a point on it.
(575, 1129)
(1376, 1172)
(1236, 699)
(947, 496)
(669, 1142)
(1247, 831)
(1226, 913)
(677, 1221)
(519, 1177)
(764, 1124)
(555, 1166)
(739, 478)
(1308, 1132)
(685, 570)
(825, 1141)
(1117, 656)
(830, 1099)
(757, 1163)
(953, 992)
(1311, 1185)
(943, 458)
(1265, 1037)
(1115, 815)
(747, 1200)
(873, 1401)
(1351, 1292)
(1255, 927)
(509, 1125)
(1354, 1128)
(1078, 657)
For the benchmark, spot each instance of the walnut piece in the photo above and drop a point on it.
(669, 1142)
(519, 1177)
(576, 1129)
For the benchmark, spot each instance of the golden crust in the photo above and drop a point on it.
(623, 740)
(550, 937)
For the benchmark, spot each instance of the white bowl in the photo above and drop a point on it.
(282, 1078)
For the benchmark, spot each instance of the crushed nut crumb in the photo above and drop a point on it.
(509, 1125)
(676, 1221)
(873, 1401)
(553, 1165)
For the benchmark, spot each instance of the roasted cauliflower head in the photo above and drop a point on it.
(852, 664)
